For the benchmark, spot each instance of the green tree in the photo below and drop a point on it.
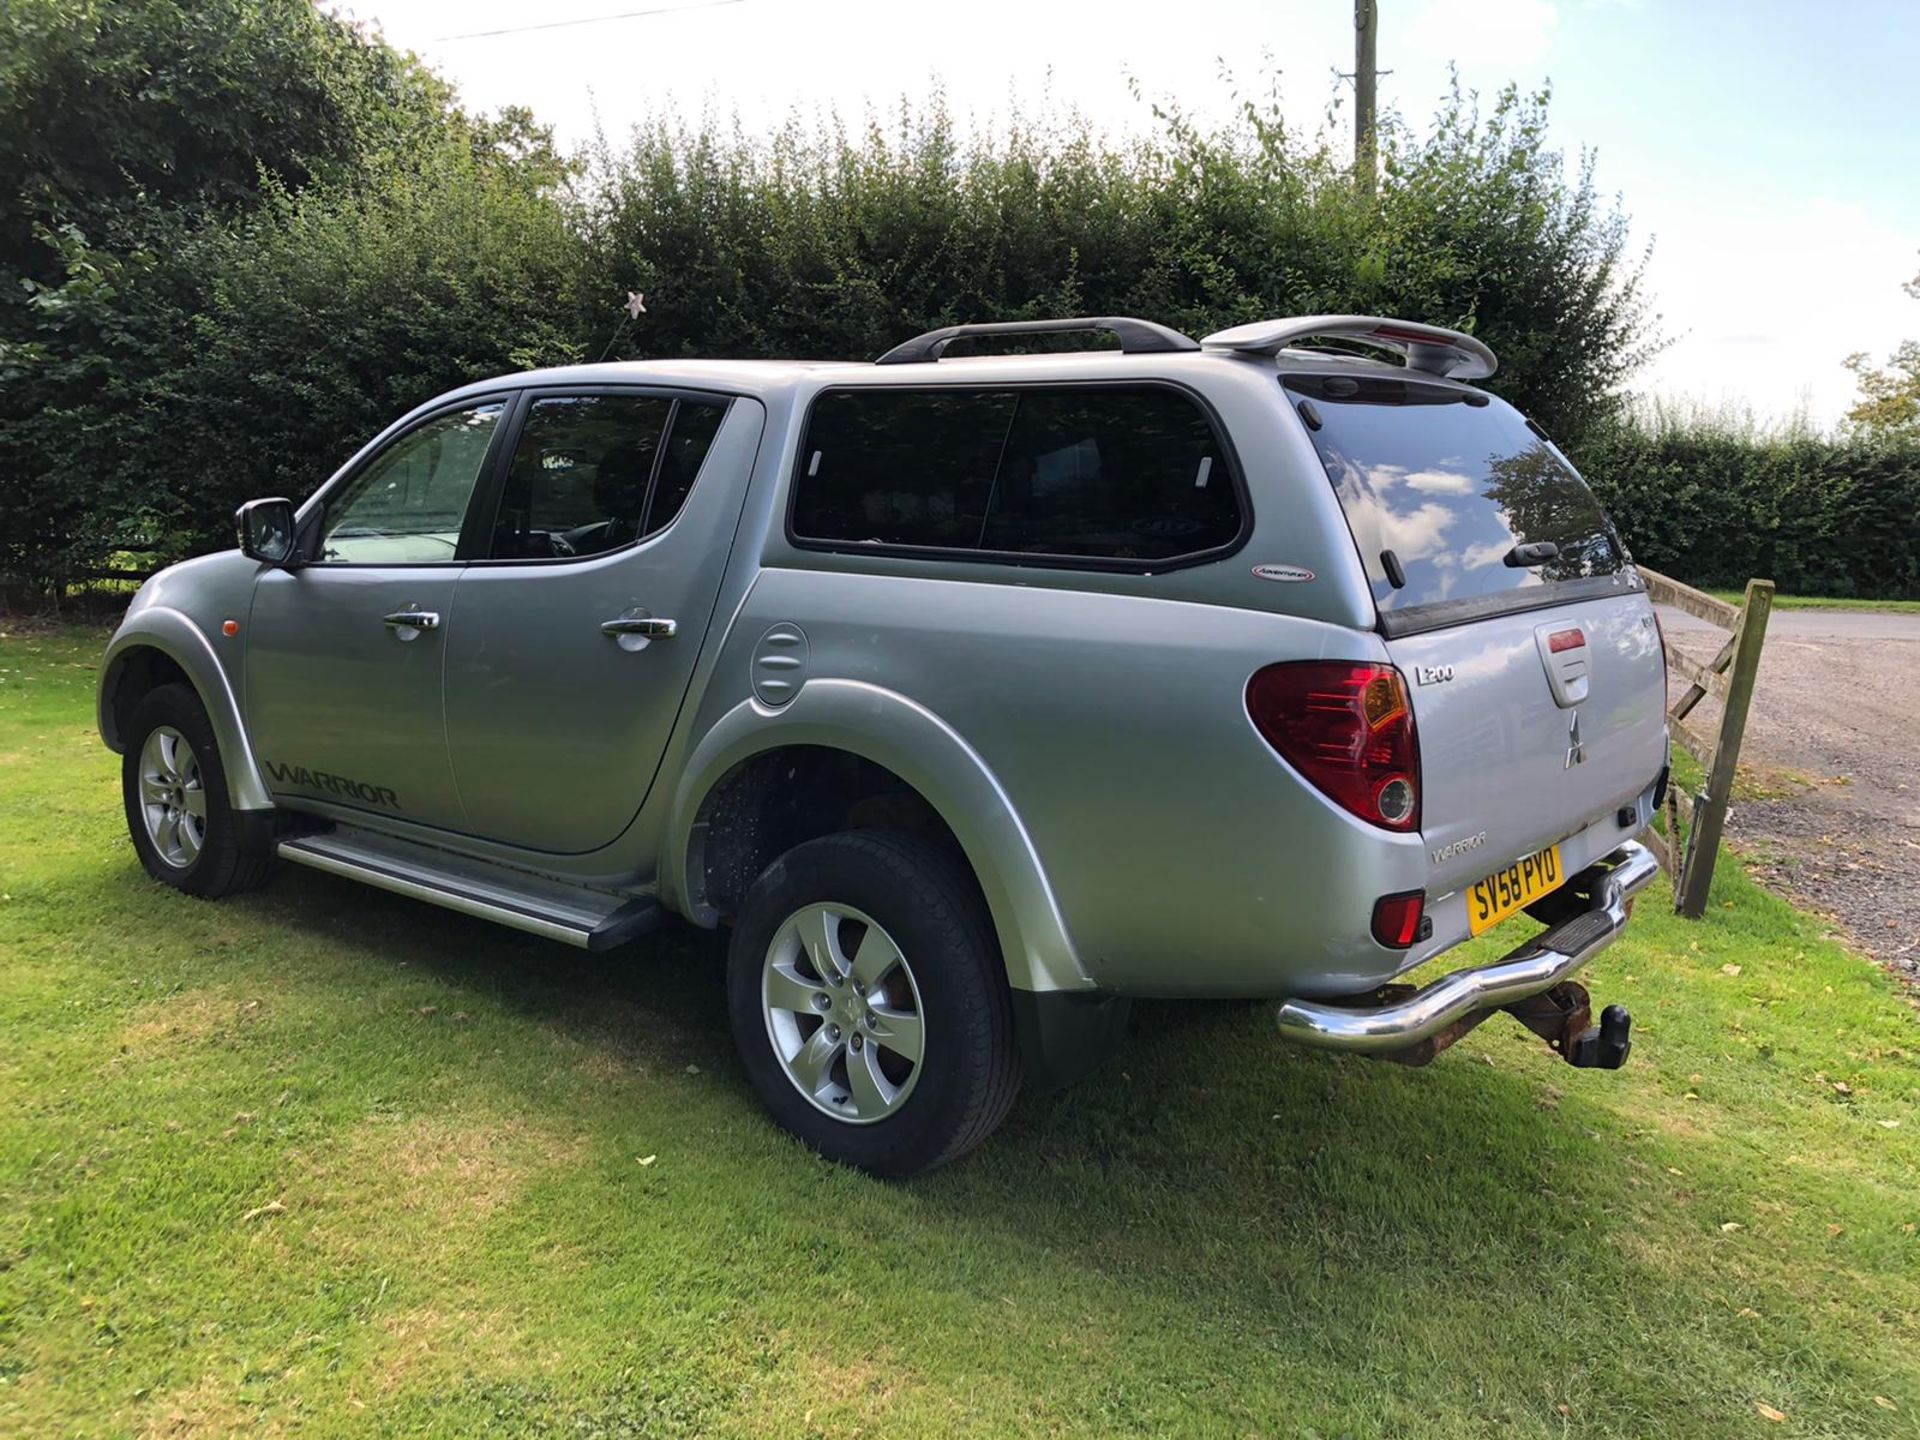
(1889, 399)
(830, 241)
(207, 203)
(115, 112)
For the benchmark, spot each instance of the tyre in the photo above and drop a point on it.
(869, 1002)
(175, 789)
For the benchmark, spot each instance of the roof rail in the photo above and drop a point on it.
(1137, 337)
(1447, 353)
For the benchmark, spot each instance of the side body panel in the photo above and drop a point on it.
(1183, 855)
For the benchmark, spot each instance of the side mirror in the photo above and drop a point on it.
(265, 529)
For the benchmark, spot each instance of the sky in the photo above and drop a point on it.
(1769, 151)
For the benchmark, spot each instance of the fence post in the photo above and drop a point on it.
(1710, 813)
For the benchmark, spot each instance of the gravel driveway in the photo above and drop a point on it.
(1826, 812)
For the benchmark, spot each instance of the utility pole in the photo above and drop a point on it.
(1366, 34)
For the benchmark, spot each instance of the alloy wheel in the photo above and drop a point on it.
(173, 797)
(843, 1013)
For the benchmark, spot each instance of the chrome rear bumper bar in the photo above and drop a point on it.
(1538, 965)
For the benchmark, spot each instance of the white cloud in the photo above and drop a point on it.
(1385, 477)
(767, 58)
(1484, 553)
(1441, 482)
(1416, 534)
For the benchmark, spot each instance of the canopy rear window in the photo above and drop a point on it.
(1100, 476)
(1453, 499)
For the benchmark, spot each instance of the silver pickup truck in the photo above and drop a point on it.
(977, 695)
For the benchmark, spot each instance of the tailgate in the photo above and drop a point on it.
(1507, 601)
(1531, 726)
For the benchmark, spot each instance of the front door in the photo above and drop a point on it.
(578, 632)
(344, 656)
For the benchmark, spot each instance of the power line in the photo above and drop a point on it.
(585, 20)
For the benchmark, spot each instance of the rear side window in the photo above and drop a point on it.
(1132, 474)
(1447, 489)
(591, 473)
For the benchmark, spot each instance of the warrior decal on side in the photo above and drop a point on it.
(298, 777)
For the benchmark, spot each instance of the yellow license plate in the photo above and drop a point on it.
(1493, 899)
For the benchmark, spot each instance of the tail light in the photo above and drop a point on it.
(1349, 729)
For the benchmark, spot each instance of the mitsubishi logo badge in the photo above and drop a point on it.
(1576, 751)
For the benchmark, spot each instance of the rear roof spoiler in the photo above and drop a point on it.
(1428, 348)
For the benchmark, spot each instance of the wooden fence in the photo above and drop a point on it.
(1688, 857)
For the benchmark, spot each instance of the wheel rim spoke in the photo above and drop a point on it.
(899, 1031)
(811, 1066)
(820, 934)
(195, 801)
(876, 955)
(788, 989)
(167, 838)
(873, 1093)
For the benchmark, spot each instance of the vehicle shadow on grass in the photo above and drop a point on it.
(670, 983)
(1204, 1108)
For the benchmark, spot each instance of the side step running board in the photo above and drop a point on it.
(589, 919)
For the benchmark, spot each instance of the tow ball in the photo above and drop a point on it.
(1562, 1016)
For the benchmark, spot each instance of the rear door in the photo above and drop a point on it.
(1509, 603)
(612, 528)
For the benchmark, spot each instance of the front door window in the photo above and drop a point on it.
(407, 506)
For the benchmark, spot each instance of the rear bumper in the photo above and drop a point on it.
(1536, 966)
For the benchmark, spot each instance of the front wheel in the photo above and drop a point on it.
(869, 1002)
(175, 790)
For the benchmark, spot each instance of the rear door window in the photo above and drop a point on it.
(1447, 490)
(591, 473)
(695, 423)
(1131, 476)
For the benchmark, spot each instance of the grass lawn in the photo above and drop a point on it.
(1821, 602)
(325, 1160)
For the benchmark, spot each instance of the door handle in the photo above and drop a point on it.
(412, 620)
(647, 627)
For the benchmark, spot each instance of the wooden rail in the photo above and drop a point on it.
(1729, 678)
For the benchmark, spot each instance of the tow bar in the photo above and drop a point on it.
(1561, 1016)
(1530, 982)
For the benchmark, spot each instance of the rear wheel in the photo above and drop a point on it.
(175, 790)
(870, 1005)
